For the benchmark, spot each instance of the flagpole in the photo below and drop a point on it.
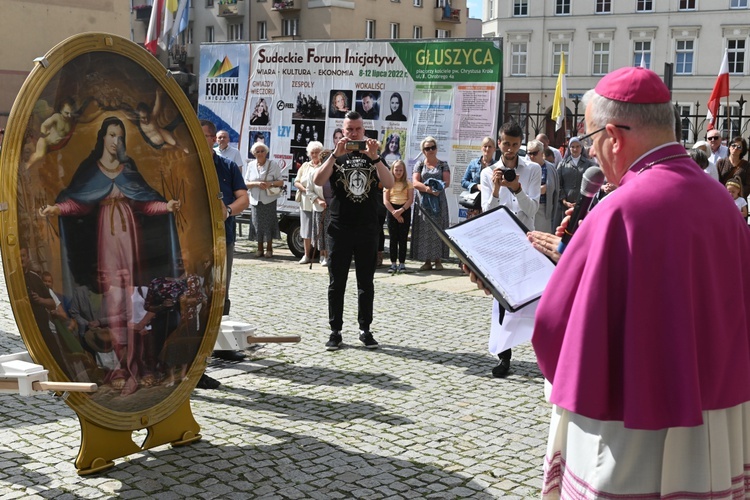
(729, 123)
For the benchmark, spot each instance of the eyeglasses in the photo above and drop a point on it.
(586, 140)
(735, 146)
(430, 148)
(533, 153)
(714, 138)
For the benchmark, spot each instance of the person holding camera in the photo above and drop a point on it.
(515, 182)
(354, 169)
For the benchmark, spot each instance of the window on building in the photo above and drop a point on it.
(442, 33)
(209, 3)
(517, 111)
(603, 6)
(736, 56)
(687, 4)
(369, 29)
(520, 8)
(731, 128)
(684, 57)
(235, 32)
(644, 6)
(738, 4)
(562, 7)
(395, 30)
(417, 32)
(601, 58)
(490, 9)
(396, 1)
(210, 33)
(557, 50)
(417, 3)
(262, 30)
(439, 4)
(518, 55)
(186, 37)
(289, 27)
(642, 54)
(685, 110)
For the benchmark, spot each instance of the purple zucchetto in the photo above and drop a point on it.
(635, 85)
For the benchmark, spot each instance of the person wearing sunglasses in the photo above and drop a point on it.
(717, 149)
(644, 340)
(709, 167)
(430, 178)
(735, 165)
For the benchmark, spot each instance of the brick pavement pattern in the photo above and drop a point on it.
(420, 417)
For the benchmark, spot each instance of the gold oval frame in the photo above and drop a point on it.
(40, 77)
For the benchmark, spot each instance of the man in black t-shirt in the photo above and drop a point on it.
(353, 232)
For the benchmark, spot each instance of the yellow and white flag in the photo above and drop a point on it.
(561, 91)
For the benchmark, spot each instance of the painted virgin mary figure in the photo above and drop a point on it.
(110, 216)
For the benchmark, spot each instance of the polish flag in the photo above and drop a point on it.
(721, 89)
(154, 26)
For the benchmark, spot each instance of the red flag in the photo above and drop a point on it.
(721, 89)
(154, 26)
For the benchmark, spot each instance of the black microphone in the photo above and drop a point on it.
(593, 178)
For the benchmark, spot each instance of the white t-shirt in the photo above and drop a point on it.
(712, 171)
(740, 202)
(233, 154)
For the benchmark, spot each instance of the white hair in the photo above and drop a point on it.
(257, 145)
(636, 116)
(314, 145)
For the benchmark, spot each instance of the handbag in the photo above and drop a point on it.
(470, 200)
(272, 191)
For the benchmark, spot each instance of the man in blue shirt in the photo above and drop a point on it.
(235, 200)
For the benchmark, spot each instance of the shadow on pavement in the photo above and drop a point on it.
(318, 375)
(300, 408)
(479, 365)
(318, 470)
(18, 474)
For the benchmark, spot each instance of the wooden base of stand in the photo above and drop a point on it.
(101, 446)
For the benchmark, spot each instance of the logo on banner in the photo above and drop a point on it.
(223, 82)
(280, 105)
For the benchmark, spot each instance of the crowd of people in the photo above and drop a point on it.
(642, 340)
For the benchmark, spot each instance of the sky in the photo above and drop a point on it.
(475, 8)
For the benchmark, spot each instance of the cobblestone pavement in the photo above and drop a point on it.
(421, 417)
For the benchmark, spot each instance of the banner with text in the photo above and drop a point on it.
(224, 72)
(300, 91)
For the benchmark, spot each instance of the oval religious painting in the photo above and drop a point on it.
(110, 247)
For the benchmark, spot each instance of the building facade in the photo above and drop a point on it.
(30, 28)
(681, 39)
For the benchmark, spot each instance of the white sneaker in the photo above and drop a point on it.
(324, 262)
(305, 260)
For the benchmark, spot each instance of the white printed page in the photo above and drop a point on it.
(498, 246)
